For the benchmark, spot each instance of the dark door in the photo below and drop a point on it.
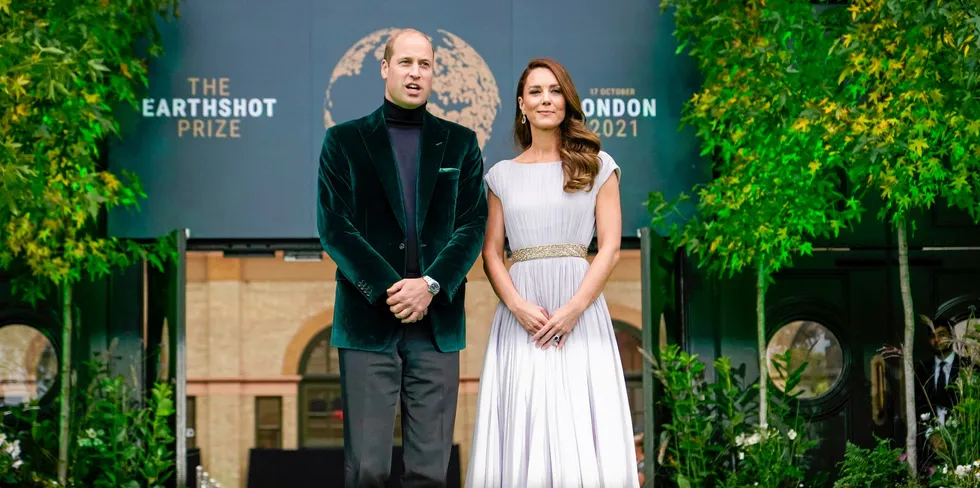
(832, 310)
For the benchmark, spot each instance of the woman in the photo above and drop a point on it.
(552, 409)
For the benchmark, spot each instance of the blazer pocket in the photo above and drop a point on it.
(447, 176)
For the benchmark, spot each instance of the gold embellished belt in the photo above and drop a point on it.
(550, 251)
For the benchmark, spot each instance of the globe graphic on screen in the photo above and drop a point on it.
(463, 87)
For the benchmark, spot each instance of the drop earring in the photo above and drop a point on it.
(523, 119)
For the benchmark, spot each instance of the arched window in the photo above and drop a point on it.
(321, 421)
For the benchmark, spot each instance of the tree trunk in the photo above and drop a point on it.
(760, 315)
(908, 367)
(66, 344)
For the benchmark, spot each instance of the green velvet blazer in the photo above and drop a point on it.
(362, 225)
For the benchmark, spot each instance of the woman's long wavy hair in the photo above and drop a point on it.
(578, 146)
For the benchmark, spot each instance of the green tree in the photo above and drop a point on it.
(961, 76)
(776, 184)
(907, 118)
(64, 66)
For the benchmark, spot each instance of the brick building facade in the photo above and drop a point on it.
(261, 372)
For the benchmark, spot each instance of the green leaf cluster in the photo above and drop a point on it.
(711, 436)
(120, 439)
(778, 182)
(909, 114)
(871, 468)
(123, 444)
(64, 67)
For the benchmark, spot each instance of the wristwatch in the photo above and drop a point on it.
(433, 284)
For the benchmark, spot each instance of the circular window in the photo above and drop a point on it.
(814, 344)
(28, 364)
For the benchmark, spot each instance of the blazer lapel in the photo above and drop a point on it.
(432, 147)
(375, 136)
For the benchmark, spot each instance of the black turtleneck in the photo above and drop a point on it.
(405, 132)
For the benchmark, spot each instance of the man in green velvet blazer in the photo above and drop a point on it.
(402, 210)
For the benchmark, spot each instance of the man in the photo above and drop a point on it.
(402, 211)
(936, 397)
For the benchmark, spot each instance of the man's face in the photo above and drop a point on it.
(408, 76)
(941, 341)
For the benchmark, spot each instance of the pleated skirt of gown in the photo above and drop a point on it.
(550, 418)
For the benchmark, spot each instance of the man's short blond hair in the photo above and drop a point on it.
(390, 45)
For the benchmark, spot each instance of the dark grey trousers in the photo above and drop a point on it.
(427, 381)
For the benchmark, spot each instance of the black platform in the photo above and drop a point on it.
(321, 468)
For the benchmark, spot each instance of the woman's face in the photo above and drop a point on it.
(543, 102)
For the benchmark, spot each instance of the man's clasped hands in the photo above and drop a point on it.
(409, 299)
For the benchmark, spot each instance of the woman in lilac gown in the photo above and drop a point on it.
(552, 408)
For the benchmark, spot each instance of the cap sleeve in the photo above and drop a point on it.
(607, 166)
(491, 179)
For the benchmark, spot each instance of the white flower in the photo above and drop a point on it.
(13, 448)
(3, 438)
(791, 434)
(17, 463)
(741, 455)
(924, 416)
(962, 471)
